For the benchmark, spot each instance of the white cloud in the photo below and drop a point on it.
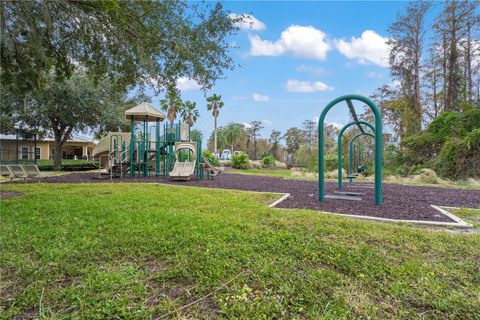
(246, 125)
(374, 74)
(395, 84)
(369, 48)
(300, 41)
(267, 122)
(312, 69)
(186, 84)
(260, 97)
(249, 22)
(476, 58)
(259, 47)
(306, 86)
(475, 47)
(335, 124)
(239, 98)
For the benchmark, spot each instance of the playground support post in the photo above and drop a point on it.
(146, 146)
(157, 148)
(378, 145)
(339, 147)
(35, 148)
(132, 146)
(350, 150)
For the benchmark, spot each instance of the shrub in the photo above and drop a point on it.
(470, 119)
(307, 158)
(330, 162)
(268, 161)
(210, 157)
(420, 148)
(240, 161)
(444, 126)
(460, 158)
(68, 165)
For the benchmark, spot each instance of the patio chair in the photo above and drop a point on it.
(18, 171)
(6, 172)
(32, 170)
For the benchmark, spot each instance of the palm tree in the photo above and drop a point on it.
(189, 112)
(215, 103)
(172, 104)
(233, 131)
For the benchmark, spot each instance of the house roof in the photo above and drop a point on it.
(74, 138)
(144, 111)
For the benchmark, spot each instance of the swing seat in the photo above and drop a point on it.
(352, 176)
(361, 168)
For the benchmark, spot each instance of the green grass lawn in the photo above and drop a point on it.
(283, 173)
(96, 251)
(472, 216)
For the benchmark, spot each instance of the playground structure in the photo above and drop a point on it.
(145, 152)
(183, 170)
(376, 134)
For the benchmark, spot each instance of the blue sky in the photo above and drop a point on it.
(297, 56)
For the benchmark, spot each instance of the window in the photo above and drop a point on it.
(37, 153)
(24, 153)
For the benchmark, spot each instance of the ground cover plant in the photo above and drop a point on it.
(143, 250)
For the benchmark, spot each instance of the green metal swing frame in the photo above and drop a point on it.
(377, 129)
(350, 150)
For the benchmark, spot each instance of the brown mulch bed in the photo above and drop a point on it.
(399, 201)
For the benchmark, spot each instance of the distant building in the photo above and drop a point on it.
(77, 147)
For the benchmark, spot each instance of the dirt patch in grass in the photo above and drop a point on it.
(178, 293)
(10, 194)
(31, 313)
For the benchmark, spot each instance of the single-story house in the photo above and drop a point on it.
(77, 147)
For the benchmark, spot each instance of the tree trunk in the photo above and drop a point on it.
(308, 158)
(435, 103)
(468, 57)
(215, 138)
(417, 104)
(61, 134)
(444, 71)
(57, 154)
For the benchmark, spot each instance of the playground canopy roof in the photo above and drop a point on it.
(144, 111)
